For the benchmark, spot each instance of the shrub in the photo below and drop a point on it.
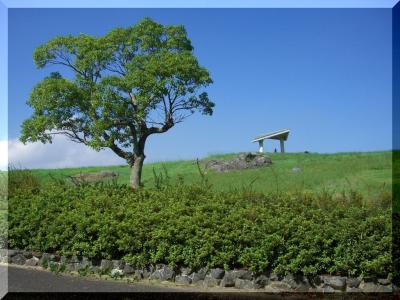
(3, 209)
(195, 226)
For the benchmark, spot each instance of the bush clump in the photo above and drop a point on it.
(3, 209)
(195, 226)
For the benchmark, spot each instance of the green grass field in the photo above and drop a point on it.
(369, 173)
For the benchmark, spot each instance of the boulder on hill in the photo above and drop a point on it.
(249, 160)
(93, 177)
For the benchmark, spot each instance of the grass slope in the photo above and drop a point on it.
(367, 172)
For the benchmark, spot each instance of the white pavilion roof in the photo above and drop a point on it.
(277, 135)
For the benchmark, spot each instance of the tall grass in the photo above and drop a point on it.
(368, 173)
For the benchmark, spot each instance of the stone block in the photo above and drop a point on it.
(18, 259)
(106, 265)
(244, 284)
(183, 279)
(335, 282)
(128, 269)
(199, 275)
(228, 280)
(261, 281)
(217, 273)
(32, 262)
(211, 282)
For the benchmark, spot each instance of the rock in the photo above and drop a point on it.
(296, 170)
(384, 281)
(32, 261)
(242, 161)
(353, 282)
(145, 273)
(183, 279)
(118, 264)
(44, 259)
(217, 273)
(261, 281)
(371, 287)
(12, 253)
(290, 280)
(353, 290)
(163, 273)
(128, 269)
(297, 283)
(228, 280)
(316, 280)
(55, 258)
(269, 289)
(3, 253)
(384, 289)
(73, 259)
(95, 262)
(244, 284)
(116, 273)
(18, 259)
(86, 262)
(63, 259)
(211, 282)
(335, 282)
(273, 277)
(242, 274)
(71, 267)
(186, 271)
(37, 254)
(369, 279)
(80, 266)
(277, 286)
(167, 273)
(107, 173)
(326, 289)
(106, 264)
(27, 254)
(93, 177)
(139, 274)
(199, 275)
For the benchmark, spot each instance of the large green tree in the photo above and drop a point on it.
(126, 85)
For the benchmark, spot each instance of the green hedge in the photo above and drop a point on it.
(195, 226)
(3, 209)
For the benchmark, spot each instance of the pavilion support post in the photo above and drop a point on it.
(261, 146)
(282, 146)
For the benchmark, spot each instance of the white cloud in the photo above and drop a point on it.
(62, 153)
(3, 155)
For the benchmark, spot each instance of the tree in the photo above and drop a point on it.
(126, 85)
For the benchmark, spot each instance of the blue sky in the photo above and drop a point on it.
(323, 73)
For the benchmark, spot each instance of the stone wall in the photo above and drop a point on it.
(240, 279)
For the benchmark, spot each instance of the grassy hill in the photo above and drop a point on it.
(367, 172)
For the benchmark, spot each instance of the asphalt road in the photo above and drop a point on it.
(25, 281)
(30, 280)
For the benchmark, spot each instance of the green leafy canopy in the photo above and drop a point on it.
(128, 84)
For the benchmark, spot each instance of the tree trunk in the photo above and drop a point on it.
(136, 171)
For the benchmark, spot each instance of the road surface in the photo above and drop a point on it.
(33, 280)
(23, 280)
